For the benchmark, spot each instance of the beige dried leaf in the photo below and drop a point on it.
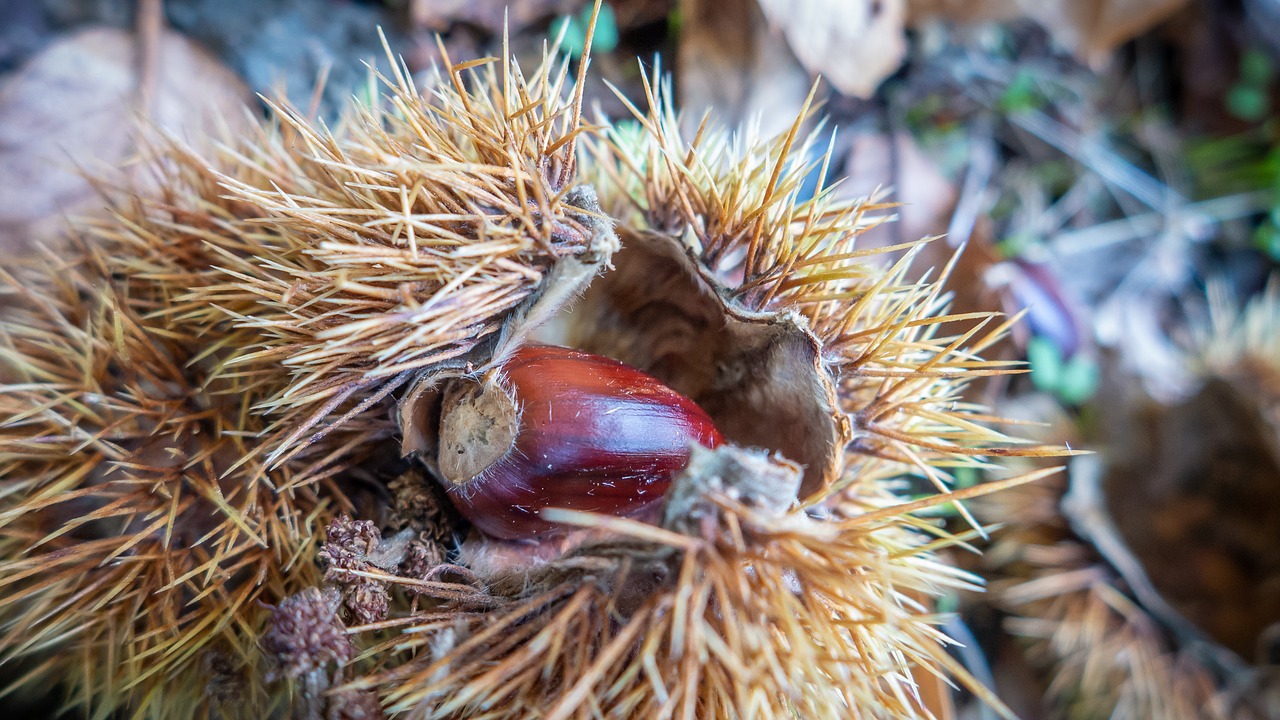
(73, 109)
(854, 44)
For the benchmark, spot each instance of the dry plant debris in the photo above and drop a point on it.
(854, 44)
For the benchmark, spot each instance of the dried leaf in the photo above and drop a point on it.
(854, 44)
(73, 108)
(732, 64)
(1093, 28)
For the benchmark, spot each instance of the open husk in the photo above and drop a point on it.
(206, 385)
(1138, 586)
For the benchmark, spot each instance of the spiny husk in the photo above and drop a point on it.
(1235, 336)
(398, 244)
(1104, 655)
(734, 203)
(131, 557)
(818, 609)
(732, 608)
(280, 290)
(169, 388)
(1241, 345)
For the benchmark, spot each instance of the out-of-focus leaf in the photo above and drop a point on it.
(441, 15)
(1022, 94)
(1093, 28)
(1250, 98)
(962, 10)
(904, 173)
(1247, 102)
(732, 64)
(854, 44)
(572, 31)
(1046, 364)
(73, 109)
(1079, 380)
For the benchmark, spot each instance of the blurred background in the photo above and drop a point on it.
(1111, 169)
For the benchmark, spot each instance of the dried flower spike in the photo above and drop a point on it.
(562, 428)
(305, 634)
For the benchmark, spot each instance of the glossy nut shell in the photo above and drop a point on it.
(567, 429)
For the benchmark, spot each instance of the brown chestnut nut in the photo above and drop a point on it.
(563, 428)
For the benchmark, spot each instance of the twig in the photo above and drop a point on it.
(970, 651)
(1098, 158)
(1091, 239)
(973, 193)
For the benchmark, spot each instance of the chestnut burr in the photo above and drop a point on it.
(562, 428)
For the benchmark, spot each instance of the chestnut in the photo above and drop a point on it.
(556, 427)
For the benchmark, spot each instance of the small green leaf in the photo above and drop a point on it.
(1016, 244)
(1079, 380)
(1247, 102)
(574, 41)
(1046, 364)
(1022, 93)
(1267, 239)
(675, 22)
(572, 34)
(965, 477)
